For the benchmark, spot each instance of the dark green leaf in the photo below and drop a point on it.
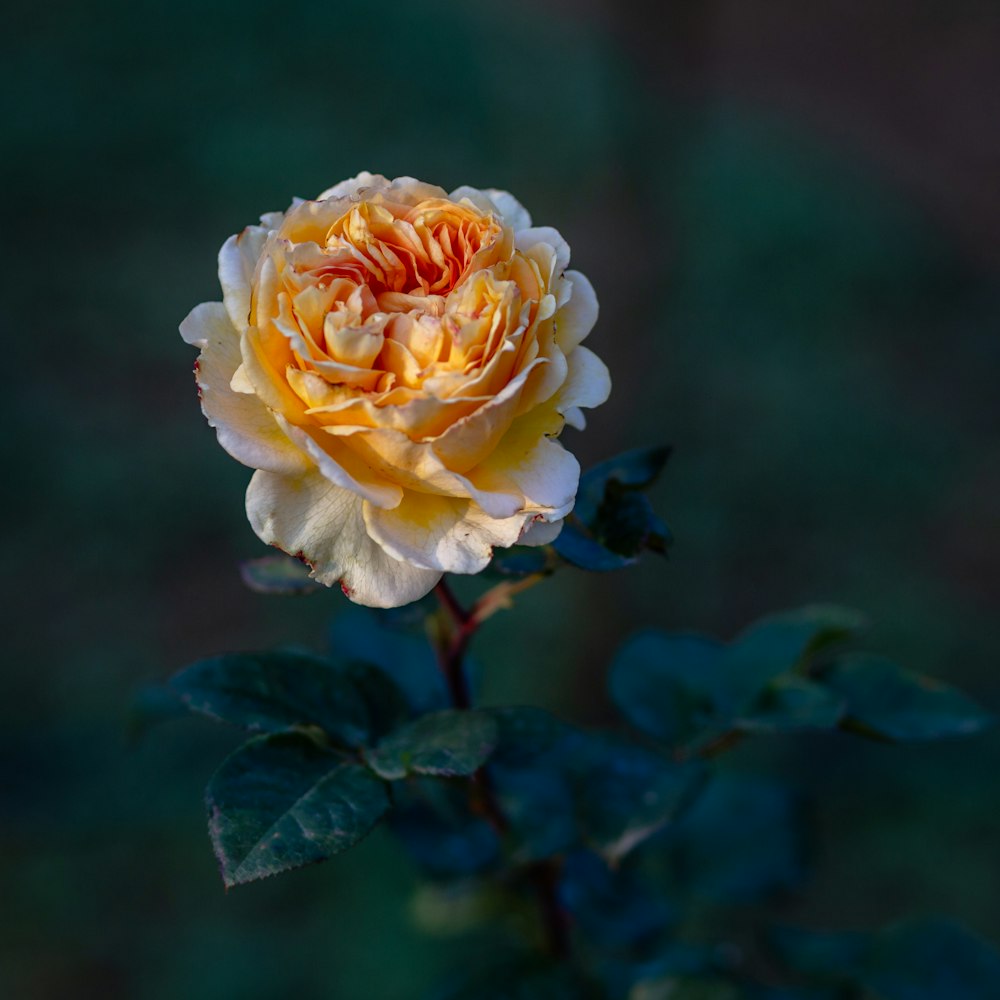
(633, 470)
(932, 960)
(625, 794)
(524, 733)
(538, 805)
(446, 744)
(780, 643)
(791, 703)
(280, 802)
(519, 560)
(278, 574)
(888, 702)
(386, 704)
(612, 522)
(613, 907)
(742, 839)
(441, 834)
(668, 686)
(359, 634)
(274, 691)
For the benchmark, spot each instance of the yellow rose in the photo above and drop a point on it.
(397, 362)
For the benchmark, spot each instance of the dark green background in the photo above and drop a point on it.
(791, 220)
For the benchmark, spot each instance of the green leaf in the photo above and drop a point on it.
(280, 802)
(525, 733)
(438, 829)
(781, 643)
(278, 574)
(887, 702)
(611, 522)
(269, 692)
(668, 686)
(152, 705)
(624, 793)
(446, 744)
(681, 688)
(615, 908)
(932, 960)
(792, 703)
(519, 561)
(363, 635)
(741, 839)
(386, 704)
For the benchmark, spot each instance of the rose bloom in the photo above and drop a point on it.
(396, 363)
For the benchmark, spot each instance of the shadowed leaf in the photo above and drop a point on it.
(280, 802)
(446, 744)
(885, 701)
(267, 692)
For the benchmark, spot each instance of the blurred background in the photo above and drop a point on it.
(790, 213)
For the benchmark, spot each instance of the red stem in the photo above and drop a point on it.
(543, 875)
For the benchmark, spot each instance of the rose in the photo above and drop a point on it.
(397, 362)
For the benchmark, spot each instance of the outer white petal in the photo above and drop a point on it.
(525, 239)
(513, 213)
(577, 317)
(237, 263)
(587, 384)
(531, 463)
(540, 532)
(323, 524)
(446, 534)
(245, 426)
(354, 184)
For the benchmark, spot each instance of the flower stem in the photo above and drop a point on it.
(543, 875)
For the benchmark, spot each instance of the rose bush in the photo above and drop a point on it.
(396, 363)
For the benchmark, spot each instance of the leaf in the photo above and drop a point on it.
(668, 685)
(932, 959)
(441, 834)
(611, 522)
(614, 908)
(525, 733)
(781, 643)
(792, 703)
(539, 807)
(269, 692)
(885, 701)
(624, 793)
(681, 688)
(519, 561)
(386, 704)
(741, 840)
(449, 743)
(280, 802)
(278, 574)
(359, 634)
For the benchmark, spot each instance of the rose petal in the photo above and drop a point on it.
(237, 264)
(541, 532)
(588, 383)
(529, 462)
(307, 516)
(441, 533)
(343, 467)
(246, 428)
(577, 317)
